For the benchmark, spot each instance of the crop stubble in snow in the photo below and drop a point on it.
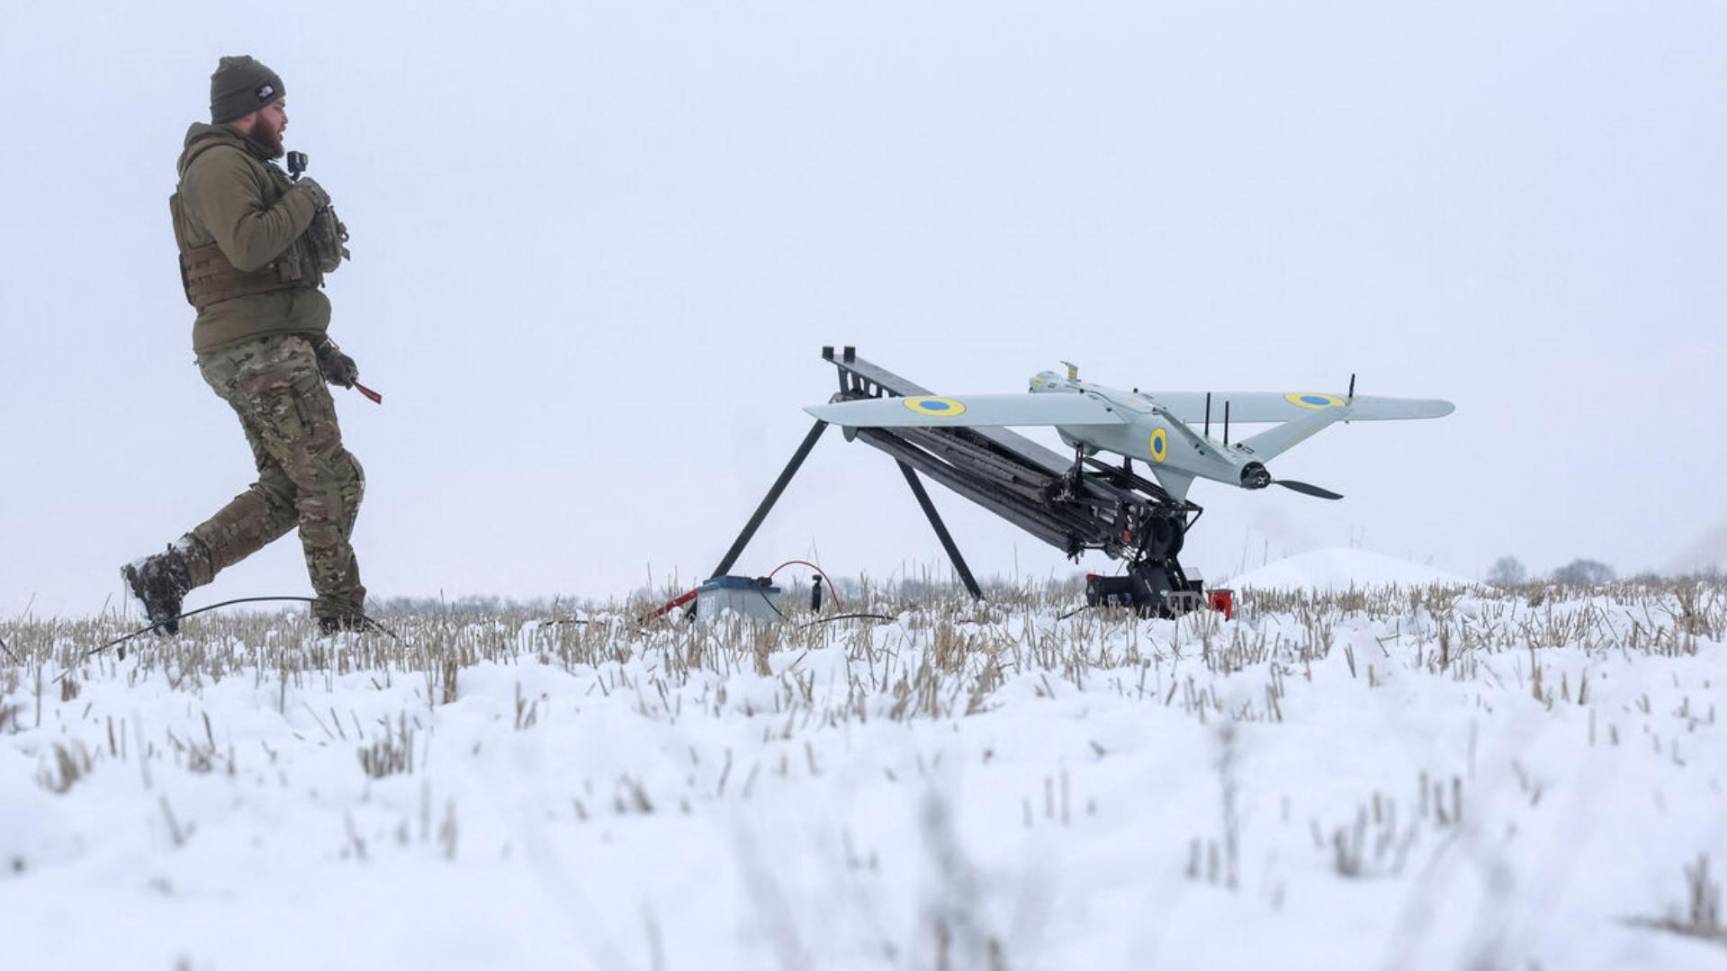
(1421, 777)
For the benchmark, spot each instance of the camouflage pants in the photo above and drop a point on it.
(305, 477)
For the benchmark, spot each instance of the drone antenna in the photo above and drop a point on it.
(1208, 414)
(1352, 388)
(1226, 424)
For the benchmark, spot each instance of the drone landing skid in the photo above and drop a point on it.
(1072, 505)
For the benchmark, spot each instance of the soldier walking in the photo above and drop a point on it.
(254, 247)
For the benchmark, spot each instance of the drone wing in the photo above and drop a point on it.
(1267, 406)
(970, 410)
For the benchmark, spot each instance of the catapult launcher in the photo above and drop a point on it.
(1072, 502)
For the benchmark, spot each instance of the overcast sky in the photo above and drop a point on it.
(597, 247)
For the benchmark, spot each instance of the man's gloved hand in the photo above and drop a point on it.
(338, 368)
(320, 198)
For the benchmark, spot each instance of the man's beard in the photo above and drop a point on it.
(268, 138)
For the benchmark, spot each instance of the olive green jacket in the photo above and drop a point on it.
(231, 194)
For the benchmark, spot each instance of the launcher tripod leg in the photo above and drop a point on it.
(941, 532)
(772, 497)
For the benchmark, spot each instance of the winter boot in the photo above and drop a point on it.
(340, 623)
(160, 582)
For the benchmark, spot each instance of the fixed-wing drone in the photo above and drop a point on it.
(1152, 427)
(1078, 502)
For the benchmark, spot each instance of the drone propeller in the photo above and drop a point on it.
(1306, 489)
(1255, 475)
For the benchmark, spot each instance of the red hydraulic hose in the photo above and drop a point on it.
(672, 604)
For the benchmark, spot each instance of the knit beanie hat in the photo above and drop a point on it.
(241, 86)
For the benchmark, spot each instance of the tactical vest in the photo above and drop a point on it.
(206, 273)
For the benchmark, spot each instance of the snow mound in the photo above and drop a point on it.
(1340, 568)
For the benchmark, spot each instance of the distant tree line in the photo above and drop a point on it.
(1508, 571)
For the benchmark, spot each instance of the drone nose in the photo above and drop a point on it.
(1254, 476)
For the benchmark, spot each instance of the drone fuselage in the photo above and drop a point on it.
(1157, 428)
(1175, 452)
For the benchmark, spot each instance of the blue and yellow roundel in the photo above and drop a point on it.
(1159, 445)
(1313, 400)
(935, 407)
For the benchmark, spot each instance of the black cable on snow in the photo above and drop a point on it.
(829, 620)
(226, 603)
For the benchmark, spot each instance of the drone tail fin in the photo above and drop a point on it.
(1273, 442)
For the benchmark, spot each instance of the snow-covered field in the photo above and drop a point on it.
(1341, 568)
(1403, 777)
